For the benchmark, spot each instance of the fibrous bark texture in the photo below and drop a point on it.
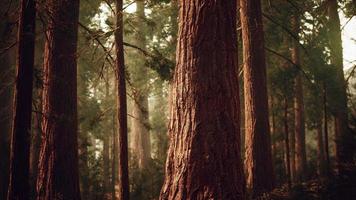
(21, 131)
(123, 174)
(258, 156)
(58, 168)
(204, 154)
(300, 152)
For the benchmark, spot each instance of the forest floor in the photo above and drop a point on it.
(335, 188)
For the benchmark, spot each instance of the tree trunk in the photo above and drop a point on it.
(343, 136)
(6, 100)
(204, 155)
(106, 161)
(58, 168)
(140, 143)
(286, 139)
(258, 157)
(321, 156)
(300, 152)
(19, 184)
(123, 174)
(326, 133)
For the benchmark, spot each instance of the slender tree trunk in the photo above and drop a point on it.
(58, 168)
(114, 163)
(286, 139)
(106, 167)
(123, 174)
(204, 155)
(258, 159)
(7, 38)
(19, 184)
(140, 144)
(321, 155)
(326, 133)
(343, 136)
(300, 152)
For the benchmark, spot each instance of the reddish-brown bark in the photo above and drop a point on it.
(21, 131)
(123, 185)
(204, 155)
(258, 159)
(286, 143)
(58, 168)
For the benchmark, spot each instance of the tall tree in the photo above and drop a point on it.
(140, 140)
(21, 131)
(123, 174)
(58, 168)
(204, 155)
(343, 136)
(299, 131)
(258, 159)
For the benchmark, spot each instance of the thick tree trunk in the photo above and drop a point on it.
(258, 158)
(287, 145)
(300, 152)
(344, 145)
(123, 174)
(204, 155)
(58, 168)
(19, 184)
(140, 143)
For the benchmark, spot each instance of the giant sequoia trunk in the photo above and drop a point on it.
(58, 167)
(343, 136)
(258, 163)
(21, 131)
(123, 174)
(300, 152)
(204, 155)
(140, 140)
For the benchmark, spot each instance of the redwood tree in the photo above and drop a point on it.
(123, 174)
(258, 159)
(58, 168)
(204, 155)
(21, 131)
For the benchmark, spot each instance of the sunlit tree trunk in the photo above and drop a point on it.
(58, 168)
(343, 136)
(258, 157)
(19, 184)
(204, 155)
(123, 174)
(140, 142)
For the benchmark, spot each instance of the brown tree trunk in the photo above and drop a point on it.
(343, 136)
(21, 132)
(286, 140)
(300, 152)
(140, 143)
(7, 38)
(321, 156)
(106, 166)
(204, 155)
(326, 133)
(123, 174)
(258, 157)
(58, 168)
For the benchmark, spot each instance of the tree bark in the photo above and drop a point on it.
(123, 174)
(19, 184)
(287, 145)
(326, 132)
(344, 145)
(140, 143)
(258, 157)
(58, 168)
(204, 155)
(300, 152)
(321, 156)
